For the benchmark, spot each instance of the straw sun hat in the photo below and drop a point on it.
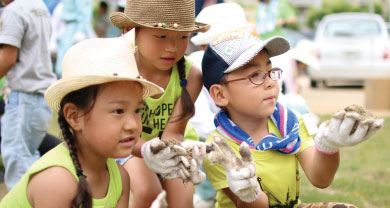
(97, 61)
(177, 15)
(222, 18)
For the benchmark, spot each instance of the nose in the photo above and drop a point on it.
(171, 45)
(268, 82)
(131, 123)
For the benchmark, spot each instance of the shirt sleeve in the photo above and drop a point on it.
(306, 139)
(12, 29)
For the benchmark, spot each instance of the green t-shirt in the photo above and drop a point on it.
(156, 112)
(59, 156)
(278, 173)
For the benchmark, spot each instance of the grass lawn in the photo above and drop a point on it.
(363, 175)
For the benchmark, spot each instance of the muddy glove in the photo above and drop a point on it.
(191, 163)
(160, 201)
(346, 128)
(160, 157)
(240, 172)
(197, 153)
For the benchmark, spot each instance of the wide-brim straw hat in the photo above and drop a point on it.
(222, 18)
(97, 61)
(176, 15)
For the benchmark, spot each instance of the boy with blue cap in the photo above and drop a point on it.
(271, 139)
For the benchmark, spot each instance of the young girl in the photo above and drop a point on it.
(162, 30)
(99, 101)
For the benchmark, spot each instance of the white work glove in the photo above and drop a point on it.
(160, 201)
(191, 163)
(162, 158)
(346, 128)
(240, 172)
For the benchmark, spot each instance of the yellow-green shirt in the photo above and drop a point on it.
(156, 112)
(277, 173)
(59, 156)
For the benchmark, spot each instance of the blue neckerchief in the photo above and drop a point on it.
(286, 121)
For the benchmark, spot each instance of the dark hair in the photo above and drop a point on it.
(83, 99)
(186, 101)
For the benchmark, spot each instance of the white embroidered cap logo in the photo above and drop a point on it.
(232, 47)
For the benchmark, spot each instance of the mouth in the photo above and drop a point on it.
(126, 140)
(168, 59)
(271, 98)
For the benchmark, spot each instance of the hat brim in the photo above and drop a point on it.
(121, 20)
(56, 92)
(275, 46)
(206, 37)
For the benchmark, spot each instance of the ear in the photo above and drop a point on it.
(219, 95)
(127, 29)
(73, 116)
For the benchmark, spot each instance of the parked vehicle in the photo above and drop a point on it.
(351, 47)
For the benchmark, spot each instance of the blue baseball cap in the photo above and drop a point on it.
(232, 50)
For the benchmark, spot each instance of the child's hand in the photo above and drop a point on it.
(160, 201)
(161, 157)
(347, 127)
(240, 172)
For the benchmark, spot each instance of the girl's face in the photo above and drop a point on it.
(160, 49)
(113, 125)
(247, 99)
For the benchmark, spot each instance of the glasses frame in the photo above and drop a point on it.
(265, 74)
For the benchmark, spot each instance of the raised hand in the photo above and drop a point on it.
(240, 172)
(160, 201)
(346, 128)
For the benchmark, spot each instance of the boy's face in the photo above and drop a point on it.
(160, 49)
(113, 126)
(245, 100)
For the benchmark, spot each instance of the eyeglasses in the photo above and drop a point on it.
(258, 77)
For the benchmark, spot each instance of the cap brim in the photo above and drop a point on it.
(275, 46)
(56, 92)
(206, 37)
(121, 20)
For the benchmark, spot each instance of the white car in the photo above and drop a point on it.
(351, 47)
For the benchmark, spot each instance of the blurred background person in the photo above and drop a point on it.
(222, 17)
(271, 16)
(112, 31)
(101, 20)
(25, 60)
(77, 15)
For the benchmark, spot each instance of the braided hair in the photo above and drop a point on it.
(186, 101)
(84, 99)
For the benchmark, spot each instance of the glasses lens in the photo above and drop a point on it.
(257, 77)
(276, 74)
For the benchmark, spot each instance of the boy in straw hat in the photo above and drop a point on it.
(272, 140)
(98, 101)
(162, 29)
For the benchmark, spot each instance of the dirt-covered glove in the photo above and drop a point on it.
(240, 172)
(160, 157)
(346, 128)
(160, 201)
(191, 163)
(197, 152)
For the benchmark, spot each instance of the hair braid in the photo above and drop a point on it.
(186, 101)
(83, 196)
